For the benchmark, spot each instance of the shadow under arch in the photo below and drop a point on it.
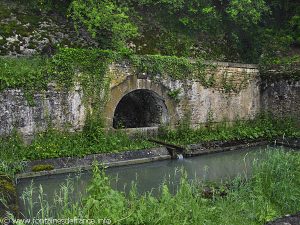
(140, 108)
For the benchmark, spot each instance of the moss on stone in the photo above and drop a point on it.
(9, 193)
(6, 186)
(33, 20)
(2, 41)
(45, 167)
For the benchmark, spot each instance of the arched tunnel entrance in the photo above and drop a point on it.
(140, 108)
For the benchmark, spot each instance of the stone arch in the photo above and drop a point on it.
(150, 91)
(140, 108)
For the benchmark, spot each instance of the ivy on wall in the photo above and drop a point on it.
(25, 73)
(88, 68)
(68, 67)
(283, 67)
(178, 68)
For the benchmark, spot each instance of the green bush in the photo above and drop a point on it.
(107, 22)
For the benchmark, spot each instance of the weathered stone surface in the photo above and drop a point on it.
(281, 97)
(24, 31)
(287, 220)
(72, 164)
(56, 108)
(202, 104)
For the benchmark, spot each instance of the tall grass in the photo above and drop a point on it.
(272, 191)
(264, 126)
(54, 144)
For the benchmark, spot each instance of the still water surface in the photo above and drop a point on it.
(149, 176)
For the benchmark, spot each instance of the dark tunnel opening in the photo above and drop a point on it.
(140, 108)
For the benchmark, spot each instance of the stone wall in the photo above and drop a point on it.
(281, 97)
(207, 104)
(201, 104)
(53, 108)
(217, 104)
(195, 101)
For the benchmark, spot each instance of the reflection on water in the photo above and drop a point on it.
(150, 176)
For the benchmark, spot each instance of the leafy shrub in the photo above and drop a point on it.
(54, 144)
(106, 21)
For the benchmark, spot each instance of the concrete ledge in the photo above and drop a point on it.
(74, 164)
(89, 167)
(217, 146)
(199, 149)
(231, 64)
(293, 143)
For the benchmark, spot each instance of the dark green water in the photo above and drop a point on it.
(150, 176)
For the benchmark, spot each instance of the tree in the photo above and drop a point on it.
(108, 23)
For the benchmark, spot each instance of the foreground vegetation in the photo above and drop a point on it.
(272, 191)
(54, 144)
(92, 140)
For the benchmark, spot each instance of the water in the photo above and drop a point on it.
(180, 157)
(150, 176)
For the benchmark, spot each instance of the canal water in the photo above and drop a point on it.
(149, 176)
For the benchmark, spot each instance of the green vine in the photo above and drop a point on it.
(178, 68)
(28, 74)
(228, 84)
(175, 94)
(284, 67)
(88, 68)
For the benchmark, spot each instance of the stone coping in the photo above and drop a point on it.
(219, 146)
(74, 164)
(286, 220)
(199, 149)
(232, 64)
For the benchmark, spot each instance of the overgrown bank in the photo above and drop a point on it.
(55, 144)
(263, 127)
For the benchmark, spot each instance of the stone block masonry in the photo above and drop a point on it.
(281, 97)
(237, 93)
(52, 108)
